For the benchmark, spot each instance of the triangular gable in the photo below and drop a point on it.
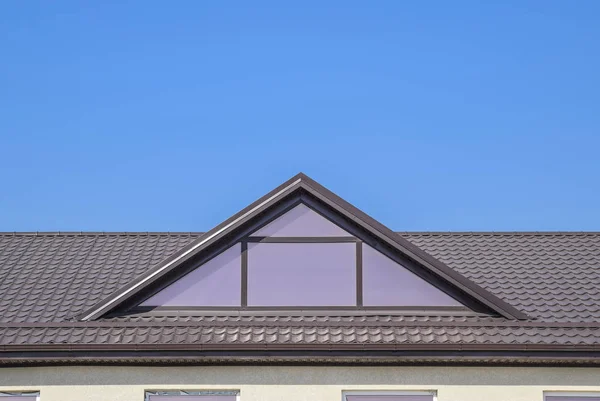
(301, 259)
(426, 273)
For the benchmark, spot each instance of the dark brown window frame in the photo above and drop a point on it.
(191, 393)
(24, 394)
(358, 236)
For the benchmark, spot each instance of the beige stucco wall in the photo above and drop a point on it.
(263, 383)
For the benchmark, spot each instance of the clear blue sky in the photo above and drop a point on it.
(171, 116)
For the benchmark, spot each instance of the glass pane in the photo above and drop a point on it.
(18, 398)
(301, 274)
(191, 398)
(407, 397)
(301, 221)
(387, 283)
(572, 398)
(215, 283)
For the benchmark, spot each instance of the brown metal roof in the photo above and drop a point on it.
(540, 294)
(46, 279)
(53, 277)
(306, 337)
(550, 276)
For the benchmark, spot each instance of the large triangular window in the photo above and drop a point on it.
(301, 259)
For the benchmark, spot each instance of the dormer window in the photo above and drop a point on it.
(301, 259)
(301, 247)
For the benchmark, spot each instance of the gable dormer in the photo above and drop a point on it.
(301, 260)
(302, 247)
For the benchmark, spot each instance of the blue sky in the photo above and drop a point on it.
(171, 116)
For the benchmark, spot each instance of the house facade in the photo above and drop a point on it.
(300, 296)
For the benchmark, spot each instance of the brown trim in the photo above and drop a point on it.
(391, 252)
(335, 322)
(199, 233)
(411, 250)
(202, 258)
(209, 238)
(311, 347)
(277, 359)
(302, 240)
(21, 359)
(331, 310)
(100, 233)
(429, 277)
(268, 217)
(492, 233)
(167, 280)
(359, 274)
(244, 296)
(286, 312)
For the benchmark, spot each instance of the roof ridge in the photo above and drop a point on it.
(498, 232)
(190, 233)
(98, 233)
(151, 233)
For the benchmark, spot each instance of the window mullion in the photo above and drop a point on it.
(244, 274)
(359, 275)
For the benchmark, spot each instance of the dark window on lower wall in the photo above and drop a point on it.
(189, 395)
(389, 396)
(19, 395)
(572, 396)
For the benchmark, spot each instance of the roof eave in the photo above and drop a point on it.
(278, 357)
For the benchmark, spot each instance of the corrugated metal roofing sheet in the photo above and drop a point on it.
(45, 278)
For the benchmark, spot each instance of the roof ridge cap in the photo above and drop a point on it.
(498, 232)
(98, 233)
(151, 233)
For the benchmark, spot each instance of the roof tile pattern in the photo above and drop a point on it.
(295, 335)
(549, 276)
(54, 277)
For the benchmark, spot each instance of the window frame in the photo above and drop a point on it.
(355, 235)
(578, 394)
(433, 393)
(352, 277)
(304, 240)
(35, 394)
(185, 393)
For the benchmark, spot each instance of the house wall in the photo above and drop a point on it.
(304, 383)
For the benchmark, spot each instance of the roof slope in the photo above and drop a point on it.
(550, 276)
(51, 277)
(47, 279)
